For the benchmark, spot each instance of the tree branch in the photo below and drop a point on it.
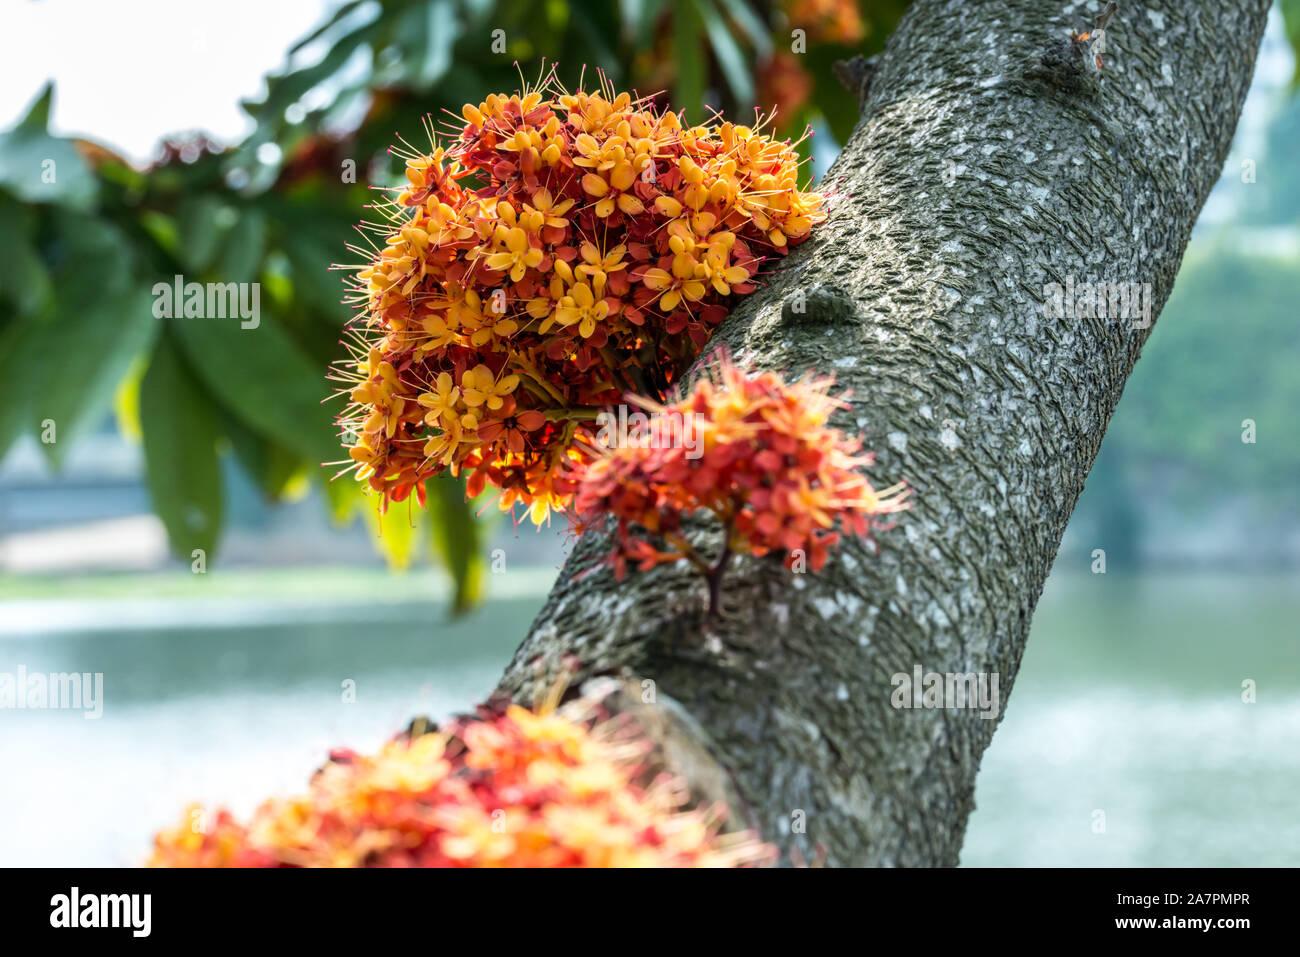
(966, 188)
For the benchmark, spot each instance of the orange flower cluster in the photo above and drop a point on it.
(757, 453)
(828, 21)
(507, 789)
(560, 250)
(783, 82)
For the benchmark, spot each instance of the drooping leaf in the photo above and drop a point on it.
(24, 280)
(751, 24)
(98, 322)
(126, 399)
(263, 376)
(244, 246)
(269, 464)
(180, 450)
(286, 89)
(199, 235)
(398, 530)
(456, 536)
(20, 376)
(730, 57)
(310, 255)
(345, 495)
(688, 92)
(100, 341)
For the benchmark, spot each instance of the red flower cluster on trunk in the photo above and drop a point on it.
(755, 452)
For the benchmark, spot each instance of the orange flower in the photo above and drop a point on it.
(757, 453)
(828, 21)
(511, 427)
(511, 788)
(599, 247)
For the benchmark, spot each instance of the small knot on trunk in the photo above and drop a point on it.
(821, 303)
(1074, 64)
(855, 74)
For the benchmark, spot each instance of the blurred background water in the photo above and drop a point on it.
(231, 685)
(1129, 702)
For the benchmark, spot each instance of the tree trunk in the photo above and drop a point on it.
(990, 161)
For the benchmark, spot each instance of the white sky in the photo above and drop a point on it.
(129, 72)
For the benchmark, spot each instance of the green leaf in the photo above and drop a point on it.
(427, 34)
(594, 36)
(325, 27)
(199, 236)
(21, 366)
(730, 57)
(457, 539)
(162, 229)
(311, 252)
(245, 245)
(752, 25)
(1291, 18)
(180, 451)
(346, 496)
(37, 118)
(837, 105)
(266, 379)
(286, 89)
(273, 467)
(40, 168)
(24, 280)
(99, 341)
(85, 341)
(688, 92)
(398, 530)
(443, 33)
(639, 18)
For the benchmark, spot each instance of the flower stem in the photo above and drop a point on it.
(716, 572)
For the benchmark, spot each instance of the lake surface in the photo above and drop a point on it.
(1129, 703)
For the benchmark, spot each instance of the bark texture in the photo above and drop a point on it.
(985, 166)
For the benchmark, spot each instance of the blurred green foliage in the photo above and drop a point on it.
(84, 236)
(1223, 352)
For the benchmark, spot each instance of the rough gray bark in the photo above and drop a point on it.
(983, 169)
